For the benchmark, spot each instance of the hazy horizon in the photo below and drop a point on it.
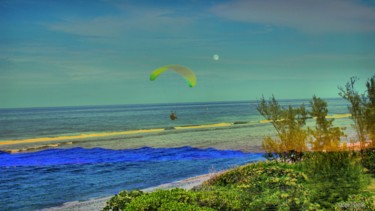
(172, 103)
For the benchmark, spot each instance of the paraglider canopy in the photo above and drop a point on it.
(185, 72)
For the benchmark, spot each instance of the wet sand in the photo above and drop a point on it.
(34, 144)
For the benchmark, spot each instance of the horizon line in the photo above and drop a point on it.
(164, 103)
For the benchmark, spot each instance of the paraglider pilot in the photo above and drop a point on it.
(173, 116)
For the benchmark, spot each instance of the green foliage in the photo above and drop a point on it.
(268, 186)
(260, 186)
(325, 136)
(363, 201)
(179, 206)
(288, 123)
(333, 176)
(251, 173)
(174, 199)
(119, 201)
(368, 159)
(328, 180)
(154, 200)
(370, 109)
(220, 198)
(362, 108)
(356, 107)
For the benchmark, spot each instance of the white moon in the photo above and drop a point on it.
(215, 57)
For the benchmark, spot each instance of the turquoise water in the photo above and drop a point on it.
(39, 122)
(59, 122)
(83, 168)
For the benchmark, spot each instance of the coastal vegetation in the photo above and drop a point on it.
(288, 122)
(308, 168)
(270, 185)
(362, 110)
(257, 186)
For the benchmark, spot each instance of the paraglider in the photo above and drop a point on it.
(185, 72)
(173, 116)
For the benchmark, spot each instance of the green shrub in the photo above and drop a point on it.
(221, 198)
(363, 201)
(154, 200)
(278, 200)
(179, 206)
(119, 201)
(368, 159)
(333, 176)
(329, 178)
(268, 186)
(204, 199)
(260, 171)
(259, 186)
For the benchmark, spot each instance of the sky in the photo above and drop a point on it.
(102, 52)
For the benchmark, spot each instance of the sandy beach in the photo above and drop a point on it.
(99, 203)
(66, 138)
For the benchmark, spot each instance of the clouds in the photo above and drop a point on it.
(312, 16)
(153, 21)
(113, 45)
(97, 27)
(132, 19)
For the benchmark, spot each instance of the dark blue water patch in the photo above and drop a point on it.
(79, 155)
(52, 177)
(2, 152)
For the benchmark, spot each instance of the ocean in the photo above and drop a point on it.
(65, 154)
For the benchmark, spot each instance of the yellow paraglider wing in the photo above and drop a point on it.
(186, 73)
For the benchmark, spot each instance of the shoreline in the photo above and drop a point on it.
(72, 137)
(59, 141)
(100, 202)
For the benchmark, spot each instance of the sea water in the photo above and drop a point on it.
(51, 177)
(113, 155)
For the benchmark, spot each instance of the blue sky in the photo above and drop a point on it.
(68, 53)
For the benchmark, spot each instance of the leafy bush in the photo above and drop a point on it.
(268, 186)
(255, 171)
(333, 176)
(330, 178)
(363, 201)
(179, 206)
(154, 200)
(205, 199)
(119, 201)
(220, 198)
(368, 159)
(260, 186)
